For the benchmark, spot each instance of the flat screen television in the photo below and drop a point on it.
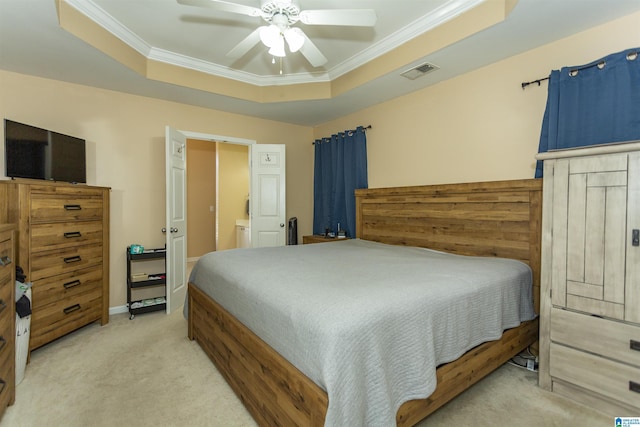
(31, 152)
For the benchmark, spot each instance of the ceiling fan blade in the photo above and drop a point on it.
(312, 53)
(349, 17)
(224, 6)
(246, 45)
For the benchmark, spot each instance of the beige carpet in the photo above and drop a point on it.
(145, 372)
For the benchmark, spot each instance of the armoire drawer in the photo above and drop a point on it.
(66, 286)
(65, 207)
(57, 319)
(612, 379)
(65, 234)
(47, 264)
(614, 340)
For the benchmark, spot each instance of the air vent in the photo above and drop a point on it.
(419, 71)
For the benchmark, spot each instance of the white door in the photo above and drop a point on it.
(176, 221)
(268, 196)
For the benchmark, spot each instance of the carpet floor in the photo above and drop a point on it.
(145, 372)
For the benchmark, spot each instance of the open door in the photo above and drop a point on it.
(268, 195)
(176, 218)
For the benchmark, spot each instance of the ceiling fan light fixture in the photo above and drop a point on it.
(294, 38)
(278, 48)
(270, 35)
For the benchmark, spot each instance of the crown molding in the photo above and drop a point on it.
(439, 16)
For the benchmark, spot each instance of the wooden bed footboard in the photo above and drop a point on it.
(278, 394)
(275, 392)
(487, 219)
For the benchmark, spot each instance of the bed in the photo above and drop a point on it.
(490, 219)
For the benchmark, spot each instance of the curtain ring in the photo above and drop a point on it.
(573, 73)
(601, 64)
(631, 56)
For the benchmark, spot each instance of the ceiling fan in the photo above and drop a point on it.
(280, 15)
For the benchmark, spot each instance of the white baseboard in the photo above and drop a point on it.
(118, 310)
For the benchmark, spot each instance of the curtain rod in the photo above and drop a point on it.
(574, 71)
(363, 127)
(525, 84)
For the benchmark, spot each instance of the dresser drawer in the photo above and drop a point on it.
(66, 286)
(6, 261)
(5, 299)
(6, 333)
(7, 379)
(597, 374)
(64, 235)
(57, 319)
(608, 338)
(65, 207)
(47, 264)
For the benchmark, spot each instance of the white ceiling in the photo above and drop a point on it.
(31, 42)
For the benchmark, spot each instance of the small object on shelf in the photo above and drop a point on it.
(139, 277)
(136, 249)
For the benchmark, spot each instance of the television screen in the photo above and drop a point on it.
(31, 152)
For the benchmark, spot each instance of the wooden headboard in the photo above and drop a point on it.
(498, 218)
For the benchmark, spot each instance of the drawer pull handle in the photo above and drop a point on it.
(71, 284)
(3, 305)
(71, 234)
(71, 309)
(5, 260)
(634, 386)
(3, 342)
(634, 345)
(72, 259)
(72, 207)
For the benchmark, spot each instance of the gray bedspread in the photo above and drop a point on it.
(368, 322)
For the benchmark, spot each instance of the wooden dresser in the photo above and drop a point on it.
(590, 296)
(63, 248)
(7, 317)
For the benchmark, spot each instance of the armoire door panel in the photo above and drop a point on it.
(614, 250)
(559, 238)
(594, 236)
(576, 226)
(632, 290)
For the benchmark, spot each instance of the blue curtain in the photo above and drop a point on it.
(340, 167)
(596, 103)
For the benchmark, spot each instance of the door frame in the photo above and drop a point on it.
(213, 138)
(225, 140)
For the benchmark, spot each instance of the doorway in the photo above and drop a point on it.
(217, 195)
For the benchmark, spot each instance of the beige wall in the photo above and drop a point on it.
(125, 151)
(476, 127)
(233, 189)
(479, 126)
(201, 197)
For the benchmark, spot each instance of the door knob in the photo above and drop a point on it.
(173, 230)
(281, 225)
(163, 229)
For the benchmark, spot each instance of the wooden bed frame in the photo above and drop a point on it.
(500, 219)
